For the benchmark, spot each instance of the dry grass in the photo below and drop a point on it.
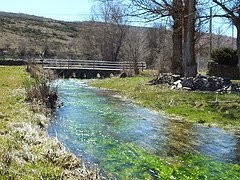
(26, 151)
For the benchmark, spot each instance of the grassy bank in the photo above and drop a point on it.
(26, 152)
(212, 108)
(193, 106)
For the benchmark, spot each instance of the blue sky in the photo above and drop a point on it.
(69, 10)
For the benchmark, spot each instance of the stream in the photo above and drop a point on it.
(103, 129)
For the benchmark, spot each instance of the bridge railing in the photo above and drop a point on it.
(88, 64)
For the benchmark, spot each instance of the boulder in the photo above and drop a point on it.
(177, 85)
(201, 84)
(188, 82)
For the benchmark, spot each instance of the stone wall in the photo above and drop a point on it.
(215, 69)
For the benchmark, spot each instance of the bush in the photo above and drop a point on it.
(39, 89)
(225, 56)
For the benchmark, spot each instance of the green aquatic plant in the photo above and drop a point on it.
(212, 108)
(134, 162)
(197, 166)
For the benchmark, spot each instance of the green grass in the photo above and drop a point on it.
(220, 109)
(192, 106)
(26, 152)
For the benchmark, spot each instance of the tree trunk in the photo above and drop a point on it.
(176, 61)
(238, 46)
(236, 22)
(136, 69)
(189, 59)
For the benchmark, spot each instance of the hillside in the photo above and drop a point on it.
(23, 35)
(20, 32)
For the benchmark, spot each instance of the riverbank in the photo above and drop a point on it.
(201, 107)
(26, 151)
(127, 141)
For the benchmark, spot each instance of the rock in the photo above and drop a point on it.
(210, 79)
(229, 89)
(177, 85)
(188, 83)
(199, 83)
(187, 88)
(202, 76)
(176, 77)
(212, 87)
(235, 87)
(238, 88)
(227, 81)
(177, 82)
(173, 87)
(165, 78)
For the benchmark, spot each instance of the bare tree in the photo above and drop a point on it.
(90, 41)
(160, 47)
(135, 47)
(113, 31)
(232, 8)
(182, 13)
(153, 10)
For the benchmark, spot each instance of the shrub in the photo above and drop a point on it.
(39, 89)
(225, 56)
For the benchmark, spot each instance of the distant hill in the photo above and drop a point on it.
(19, 31)
(28, 35)
(23, 16)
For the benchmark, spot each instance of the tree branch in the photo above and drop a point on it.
(231, 14)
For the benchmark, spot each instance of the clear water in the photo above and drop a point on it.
(105, 130)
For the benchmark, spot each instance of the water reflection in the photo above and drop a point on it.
(94, 122)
